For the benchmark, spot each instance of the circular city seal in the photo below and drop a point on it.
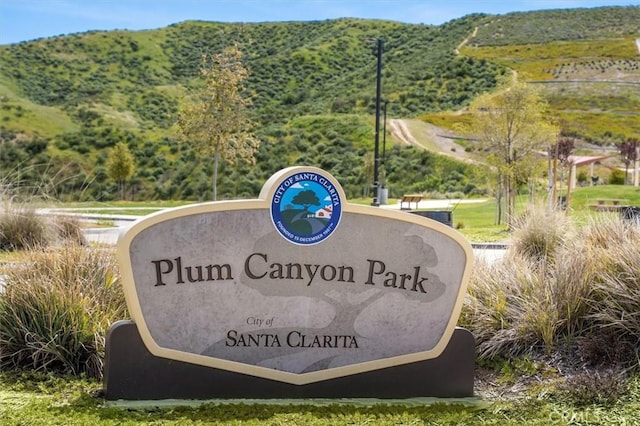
(306, 207)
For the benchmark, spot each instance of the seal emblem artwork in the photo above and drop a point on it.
(306, 207)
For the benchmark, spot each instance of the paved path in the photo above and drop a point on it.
(435, 204)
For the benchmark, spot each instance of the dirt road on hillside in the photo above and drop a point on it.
(426, 136)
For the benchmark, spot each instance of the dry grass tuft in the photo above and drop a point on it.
(56, 309)
(561, 287)
(21, 228)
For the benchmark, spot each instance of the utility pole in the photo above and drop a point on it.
(376, 160)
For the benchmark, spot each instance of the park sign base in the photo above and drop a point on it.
(294, 294)
(133, 373)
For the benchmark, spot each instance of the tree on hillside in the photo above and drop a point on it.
(629, 152)
(513, 126)
(215, 119)
(120, 165)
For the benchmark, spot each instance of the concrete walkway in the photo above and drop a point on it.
(447, 204)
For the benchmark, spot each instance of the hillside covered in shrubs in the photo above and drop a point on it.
(65, 100)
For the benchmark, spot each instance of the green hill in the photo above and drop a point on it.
(64, 100)
(587, 62)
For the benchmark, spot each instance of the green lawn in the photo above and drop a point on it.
(37, 399)
(582, 198)
(476, 221)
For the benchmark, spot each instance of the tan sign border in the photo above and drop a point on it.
(123, 252)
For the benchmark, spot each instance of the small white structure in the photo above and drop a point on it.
(325, 212)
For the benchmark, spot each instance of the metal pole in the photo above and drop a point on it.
(376, 160)
(384, 131)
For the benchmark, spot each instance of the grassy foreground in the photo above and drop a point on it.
(52, 400)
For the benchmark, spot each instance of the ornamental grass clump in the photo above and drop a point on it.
(69, 230)
(539, 235)
(510, 309)
(561, 288)
(21, 228)
(518, 306)
(614, 304)
(56, 308)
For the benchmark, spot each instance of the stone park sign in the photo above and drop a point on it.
(296, 287)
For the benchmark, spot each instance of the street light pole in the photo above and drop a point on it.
(376, 160)
(384, 132)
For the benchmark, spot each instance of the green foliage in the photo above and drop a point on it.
(155, 106)
(592, 59)
(512, 370)
(590, 83)
(428, 172)
(215, 119)
(511, 125)
(298, 70)
(617, 177)
(561, 24)
(19, 155)
(120, 165)
(56, 308)
(76, 95)
(320, 67)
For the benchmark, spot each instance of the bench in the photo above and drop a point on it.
(609, 204)
(408, 199)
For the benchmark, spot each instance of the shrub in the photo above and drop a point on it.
(561, 287)
(56, 309)
(616, 177)
(538, 234)
(590, 388)
(69, 229)
(22, 229)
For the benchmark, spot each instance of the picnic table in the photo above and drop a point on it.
(609, 204)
